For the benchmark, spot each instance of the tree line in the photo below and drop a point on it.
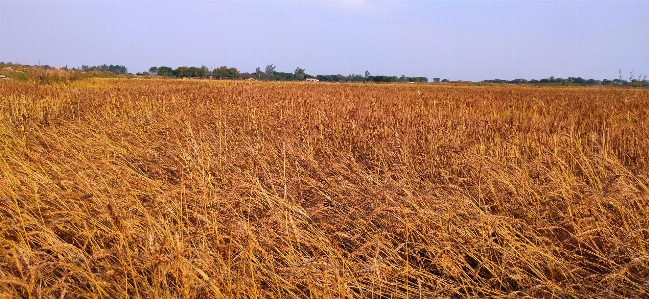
(269, 73)
(633, 81)
(116, 69)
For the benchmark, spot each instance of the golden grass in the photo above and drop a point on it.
(161, 189)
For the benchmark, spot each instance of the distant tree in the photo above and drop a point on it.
(258, 72)
(153, 70)
(270, 70)
(299, 74)
(221, 72)
(165, 71)
(181, 72)
(332, 78)
(203, 71)
(578, 80)
(247, 75)
(233, 73)
(116, 69)
(445, 80)
(367, 76)
(383, 78)
(282, 76)
(357, 78)
(436, 80)
(226, 73)
(193, 72)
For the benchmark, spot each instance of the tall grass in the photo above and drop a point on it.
(159, 189)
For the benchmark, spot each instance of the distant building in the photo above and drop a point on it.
(312, 80)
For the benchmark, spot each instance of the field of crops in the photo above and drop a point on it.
(115, 188)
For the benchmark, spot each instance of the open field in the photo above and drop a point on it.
(120, 188)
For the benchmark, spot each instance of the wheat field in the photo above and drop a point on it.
(117, 188)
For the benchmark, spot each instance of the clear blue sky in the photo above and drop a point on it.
(467, 40)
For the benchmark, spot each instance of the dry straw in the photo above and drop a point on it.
(185, 189)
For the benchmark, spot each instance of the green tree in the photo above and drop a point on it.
(153, 70)
(203, 71)
(224, 72)
(221, 72)
(192, 72)
(233, 73)
(299, 74)
(181, 72)
(165, 71)
(270, 70)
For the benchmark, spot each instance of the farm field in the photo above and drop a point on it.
(116, 188)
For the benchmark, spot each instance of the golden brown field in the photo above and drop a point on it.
(120, 188)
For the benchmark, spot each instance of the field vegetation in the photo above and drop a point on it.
(49, 75)
(116, 188)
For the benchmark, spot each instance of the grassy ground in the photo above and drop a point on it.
(160, 189)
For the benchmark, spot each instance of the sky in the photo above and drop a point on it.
(458, 40)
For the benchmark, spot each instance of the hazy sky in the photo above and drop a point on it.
(468, 40)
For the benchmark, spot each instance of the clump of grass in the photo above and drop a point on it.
(163, 188)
